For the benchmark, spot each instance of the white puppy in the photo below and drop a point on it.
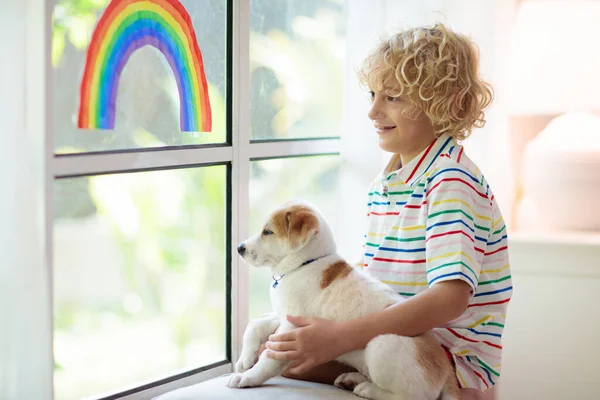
(311, 279)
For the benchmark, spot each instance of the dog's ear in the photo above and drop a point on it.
(302, 226)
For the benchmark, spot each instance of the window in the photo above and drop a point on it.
(275, 181)
(297, 53)
(142, 193)
(125, 88)
(290, 97)
(139, 277)
(150, 195)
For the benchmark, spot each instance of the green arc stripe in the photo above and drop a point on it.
(493, 324)
(450, 212)
(377, 193)
(397, 240)
(484, 365)
(499, 230)
(454, 263)
(404, 239)
(155, 17)
(483, 228)
(495, 281)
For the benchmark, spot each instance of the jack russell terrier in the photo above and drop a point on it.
(311, 279)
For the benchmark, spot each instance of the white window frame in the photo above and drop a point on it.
(26, 359)
(36, 122)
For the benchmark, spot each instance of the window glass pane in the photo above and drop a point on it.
(122, 70)
(139, 278)
(274, 182)
(297, 53)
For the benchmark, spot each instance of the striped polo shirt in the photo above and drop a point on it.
(435, 220)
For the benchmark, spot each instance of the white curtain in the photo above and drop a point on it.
(25, 304)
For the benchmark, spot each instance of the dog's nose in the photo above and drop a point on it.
(241, 249)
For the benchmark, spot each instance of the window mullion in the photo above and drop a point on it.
(293, 148)
(240, 169)
(129, 161)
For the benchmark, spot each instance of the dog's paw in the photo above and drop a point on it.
(242, 381)
(368, 390)
(350, 380)
(245, 362)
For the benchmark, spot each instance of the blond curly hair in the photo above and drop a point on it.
(437, 71)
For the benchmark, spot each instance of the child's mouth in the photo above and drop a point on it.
(384, 129)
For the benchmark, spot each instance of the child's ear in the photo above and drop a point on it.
(302, 226)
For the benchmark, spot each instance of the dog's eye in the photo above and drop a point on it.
(267, 232)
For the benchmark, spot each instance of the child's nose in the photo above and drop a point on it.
(375, 112)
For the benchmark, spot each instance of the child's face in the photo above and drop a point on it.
(398, 133)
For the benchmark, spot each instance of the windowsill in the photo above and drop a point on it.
(550, 237)
(552, 253)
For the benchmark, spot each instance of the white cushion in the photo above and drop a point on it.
(278, 388)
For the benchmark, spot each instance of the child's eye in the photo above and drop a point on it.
(392, 98)
(267, 232)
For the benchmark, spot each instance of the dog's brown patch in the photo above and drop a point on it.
(335, 271)
(298, 223)
(280, 223)
(434, 362)
(451, 387)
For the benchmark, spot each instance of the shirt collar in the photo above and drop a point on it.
(419, 165)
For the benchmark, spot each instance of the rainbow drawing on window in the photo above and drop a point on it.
(126, 26)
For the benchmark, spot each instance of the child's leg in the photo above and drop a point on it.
(473, 394)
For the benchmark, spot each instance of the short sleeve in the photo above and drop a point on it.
(457, 226)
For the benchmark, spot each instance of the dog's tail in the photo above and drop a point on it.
(450, 390)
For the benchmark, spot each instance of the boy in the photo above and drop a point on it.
(435, 232)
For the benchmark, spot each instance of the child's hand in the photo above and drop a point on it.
(315, 341)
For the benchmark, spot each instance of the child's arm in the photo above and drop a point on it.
(324, 373)
(429, 309)
(317, 341)
(458, 220)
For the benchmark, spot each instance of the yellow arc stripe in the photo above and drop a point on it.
(464, 203)
(450, 255)
(397, 184)
(376, 234)
(495, 224)
(480, 321)
(398, 228)
(489, 271)
(408, 228)
(114, 26)
(462, 380)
